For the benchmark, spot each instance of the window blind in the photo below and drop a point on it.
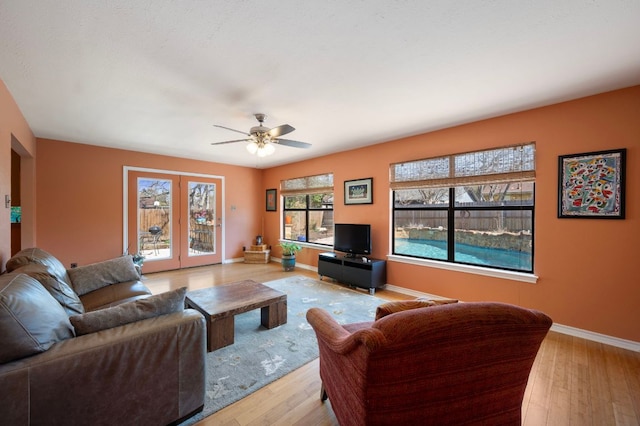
(506, 164)
(307, 185)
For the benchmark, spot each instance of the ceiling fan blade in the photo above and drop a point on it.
(222, 143)
(233, 130)
(281, 130)
(295, 144)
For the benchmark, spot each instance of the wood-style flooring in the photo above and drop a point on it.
(573, 381)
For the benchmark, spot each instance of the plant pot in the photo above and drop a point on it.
(288, 262)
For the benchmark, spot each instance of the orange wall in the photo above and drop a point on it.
(587, 277)
(586, 267)
(79, 196)
(15, 133)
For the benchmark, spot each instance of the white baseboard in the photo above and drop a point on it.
(564, 329)
(597, 337)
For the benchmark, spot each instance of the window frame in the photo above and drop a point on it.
(306, 186)
(507, 164)
(306, 211)
(451, 208)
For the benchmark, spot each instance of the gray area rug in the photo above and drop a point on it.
(260, 356)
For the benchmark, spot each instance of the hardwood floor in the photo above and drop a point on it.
(573, 381)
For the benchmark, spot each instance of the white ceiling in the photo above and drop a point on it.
(156, 75)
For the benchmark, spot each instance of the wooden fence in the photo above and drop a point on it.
(504, 220)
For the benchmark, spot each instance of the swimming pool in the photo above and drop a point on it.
(498, 258)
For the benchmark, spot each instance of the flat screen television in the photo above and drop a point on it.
(352, 239)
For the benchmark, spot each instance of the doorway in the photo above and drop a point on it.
(174, 220)
(16, 212)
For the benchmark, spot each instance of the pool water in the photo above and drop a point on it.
(498, 258)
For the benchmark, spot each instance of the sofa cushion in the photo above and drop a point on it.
(37, 255)
(152, 306)
(60, 290)
(88, 278)
(31, 320)
(404, 305)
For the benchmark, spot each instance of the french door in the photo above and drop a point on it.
(174, 221)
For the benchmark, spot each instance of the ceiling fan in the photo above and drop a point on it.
(261, 138)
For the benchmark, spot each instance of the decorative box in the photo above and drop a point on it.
(256, 256)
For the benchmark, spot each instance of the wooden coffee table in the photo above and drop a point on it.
(220, 304)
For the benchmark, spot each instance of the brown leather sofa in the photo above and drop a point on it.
(93, 346)
(449, 364)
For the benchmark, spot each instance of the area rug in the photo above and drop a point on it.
(260, 356)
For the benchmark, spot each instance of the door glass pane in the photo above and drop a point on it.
(154, 218)
(202, 214)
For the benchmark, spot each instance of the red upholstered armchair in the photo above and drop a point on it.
(452, 364)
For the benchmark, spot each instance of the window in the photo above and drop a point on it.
(474, 208)
(308, 209)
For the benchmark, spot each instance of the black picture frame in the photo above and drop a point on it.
(591, 185)
(271, 200)
(358, 191)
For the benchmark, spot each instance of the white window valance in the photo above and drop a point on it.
(507, 164)
(307, 185)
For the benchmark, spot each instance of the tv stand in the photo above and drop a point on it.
(370, 274)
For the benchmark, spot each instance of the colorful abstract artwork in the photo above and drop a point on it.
(591, 185)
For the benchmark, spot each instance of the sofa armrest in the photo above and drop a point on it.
(113, 295)
(150, 372)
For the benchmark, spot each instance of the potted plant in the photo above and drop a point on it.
(289, 250)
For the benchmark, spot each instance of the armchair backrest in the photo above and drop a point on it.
(461, 363)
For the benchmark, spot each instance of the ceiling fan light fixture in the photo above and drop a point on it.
(252, 147)
(266, 149)
(261, 139)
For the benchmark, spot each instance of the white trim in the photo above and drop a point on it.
(559, 328)
(307, 244)
(470, 269)
(125, 209)
(597, 337)
(125, 195)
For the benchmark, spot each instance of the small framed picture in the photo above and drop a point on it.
(272, 200)
(359, 191)
(591, 185)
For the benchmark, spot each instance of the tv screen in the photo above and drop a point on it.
(351, 238)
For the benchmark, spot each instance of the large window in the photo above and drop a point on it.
(308, 209)
(474, 208)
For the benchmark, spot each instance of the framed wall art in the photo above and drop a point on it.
(272, 200)
(359, 191)
(591, 185)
